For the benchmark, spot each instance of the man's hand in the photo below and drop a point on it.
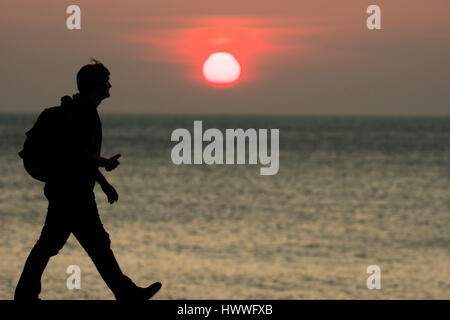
(110, 192)
(112, 162)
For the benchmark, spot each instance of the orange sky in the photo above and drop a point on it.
(301, 57)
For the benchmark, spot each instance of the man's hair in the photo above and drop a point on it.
(91, 75)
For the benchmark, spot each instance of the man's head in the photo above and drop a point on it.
(93, 79)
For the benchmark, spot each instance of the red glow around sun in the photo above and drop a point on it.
(253, 43)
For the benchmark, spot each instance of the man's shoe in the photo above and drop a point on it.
(140, 294)
(147, 293)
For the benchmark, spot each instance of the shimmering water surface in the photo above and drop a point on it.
(351, 192)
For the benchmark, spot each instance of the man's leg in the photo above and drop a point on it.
(53, 237)
(91, 234)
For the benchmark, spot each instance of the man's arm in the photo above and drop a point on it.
(108, 189)
(100, 178)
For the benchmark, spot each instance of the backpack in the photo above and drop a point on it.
(40, 149)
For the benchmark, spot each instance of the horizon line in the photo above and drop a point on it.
(252, 114)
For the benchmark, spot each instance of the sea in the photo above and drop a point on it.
(351, 192)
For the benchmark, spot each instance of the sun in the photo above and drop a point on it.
(221, 69)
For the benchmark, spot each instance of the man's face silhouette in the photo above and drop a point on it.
(101, 90)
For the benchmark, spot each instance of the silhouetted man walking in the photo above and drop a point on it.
(69, 190)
